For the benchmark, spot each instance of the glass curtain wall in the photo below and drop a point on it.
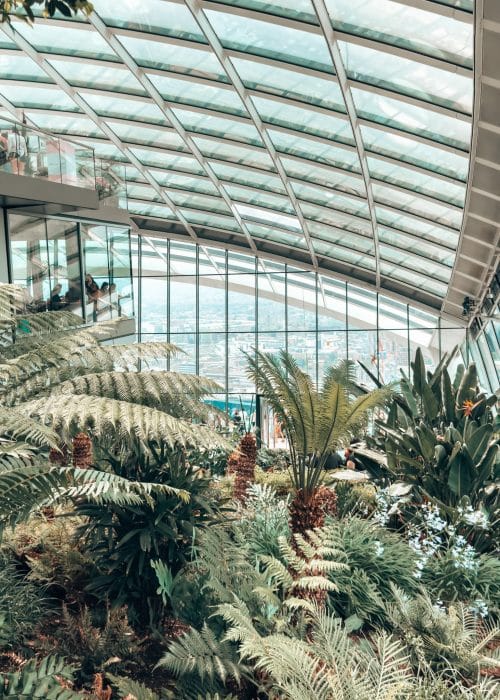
(80, 266)
(218, 305)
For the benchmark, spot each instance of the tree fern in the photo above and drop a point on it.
(128, 423)
(315, 421)
(25, 489)
(176, 393)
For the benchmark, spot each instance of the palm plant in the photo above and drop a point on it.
(315, 422)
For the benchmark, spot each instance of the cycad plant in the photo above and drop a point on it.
(315, 421)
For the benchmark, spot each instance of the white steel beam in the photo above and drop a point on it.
(333, 47)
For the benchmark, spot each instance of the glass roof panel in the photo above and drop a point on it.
(419, 227)
(426, 156)
(286, 82)
(300, 9)
(327, 177)
(302, 119)
(314, 150)
(402, 25)
(198, 94)
(185, 182)
(148, 136)
(101, 76)
(413, 279)
(155, 16)
(179, 59)
(136, 191)
(71, 42)
(351, 205)
(412, 119)
(224, 222)
(38, 97)
(425, 183)
(415, 263)
(154, 210)
(265, 38)
(288, 238)
(413, 78)
(17, 66)
(234, 153)
(245, 176)
(399, 239)
(71, 125)
(193, 200)
(135, 109)
(335, 218)
(203, 123)
(412, 203)
(356, 258)
(259, 198)
(167, 160)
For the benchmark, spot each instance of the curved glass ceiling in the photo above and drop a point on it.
(333, 133)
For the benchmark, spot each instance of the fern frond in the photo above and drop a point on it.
(24, 490)
(128, 423)
(164, 390)
(128, 688)
(39, 680)
(15, 425)
(200, 653)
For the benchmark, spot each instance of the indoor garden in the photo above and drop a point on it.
(153, 547)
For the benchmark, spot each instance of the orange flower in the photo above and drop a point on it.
(467, 407)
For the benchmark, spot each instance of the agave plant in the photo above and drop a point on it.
(315, 421)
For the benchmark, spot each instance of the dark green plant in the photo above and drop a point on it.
(39, 679)
(440, 437)
(124, 539)
(22, 603)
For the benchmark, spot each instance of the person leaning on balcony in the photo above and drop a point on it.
(17, 151)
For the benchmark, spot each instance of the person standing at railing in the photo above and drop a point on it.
(17, 151)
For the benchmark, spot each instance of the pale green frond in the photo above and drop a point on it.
(128, 688)
(171, 391)
(16, 425)
(26, 489)
(130, 423)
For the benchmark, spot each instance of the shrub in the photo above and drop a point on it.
(376, 560)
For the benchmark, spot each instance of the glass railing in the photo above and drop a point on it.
(111, 182)
(32, 153)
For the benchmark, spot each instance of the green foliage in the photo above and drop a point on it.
(263, 521)
(22, 603)
(354, 499)
(440, 438)
(448, 578)
(39, 679)
(128, 688)
(273, 459)
(454, 641)
(23, 9)
(315, 422)
(94, 640)
(126, 540)
(374, 561)
(55, 560)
